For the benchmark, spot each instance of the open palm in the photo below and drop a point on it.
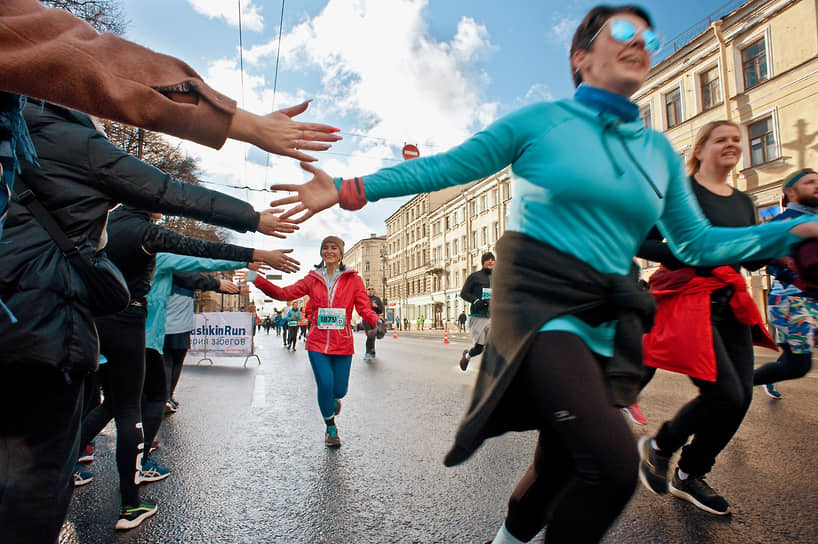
(312, 197)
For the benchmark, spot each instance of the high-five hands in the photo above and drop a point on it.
(277, 258)
(278, 133)
(258, 266)
(314, 196)
(228, 287)
(271, 224)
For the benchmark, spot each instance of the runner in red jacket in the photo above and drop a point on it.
(333, 290)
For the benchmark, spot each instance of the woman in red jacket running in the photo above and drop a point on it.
(333, 290)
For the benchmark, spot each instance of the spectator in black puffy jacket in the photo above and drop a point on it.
(48, 353)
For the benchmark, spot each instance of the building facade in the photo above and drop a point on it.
(368, 258)
(758, 67)
(435, 241)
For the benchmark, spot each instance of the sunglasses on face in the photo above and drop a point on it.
(625, 32)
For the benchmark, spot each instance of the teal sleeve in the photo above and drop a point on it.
(186, 263)
(696, 242)
(482, 155)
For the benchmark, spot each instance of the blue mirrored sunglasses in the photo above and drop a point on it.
(624, 31)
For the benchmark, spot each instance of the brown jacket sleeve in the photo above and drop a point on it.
(48, 53)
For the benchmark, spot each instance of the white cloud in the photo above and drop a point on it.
(378, 60)
(563, 30)
(537, 93)
(251, 17)
(384, 74)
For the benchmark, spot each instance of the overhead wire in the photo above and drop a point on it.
(275, 81)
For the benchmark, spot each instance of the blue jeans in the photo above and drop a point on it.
(332, 378)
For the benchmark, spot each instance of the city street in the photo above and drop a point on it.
(248, 461)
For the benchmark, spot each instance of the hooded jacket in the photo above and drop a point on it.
(347, 292)
(81, 176)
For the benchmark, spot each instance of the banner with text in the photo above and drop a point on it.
(223, 334)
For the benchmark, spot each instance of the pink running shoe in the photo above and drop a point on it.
(635, 414)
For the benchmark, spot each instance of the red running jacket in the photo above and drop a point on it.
(347, 291)
(681, 339)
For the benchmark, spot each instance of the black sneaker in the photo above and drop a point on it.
(653, 467)
(464, 361)
(697, 492)
(133, 516)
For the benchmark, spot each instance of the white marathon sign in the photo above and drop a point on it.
(223, 334)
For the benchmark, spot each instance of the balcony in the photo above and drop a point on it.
(435, 266)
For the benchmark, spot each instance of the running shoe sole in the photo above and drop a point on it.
(124, 524)
(645, 468)
(692, 500)
(772, 394)
(633, 418)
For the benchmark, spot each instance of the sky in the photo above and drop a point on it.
(386, 72)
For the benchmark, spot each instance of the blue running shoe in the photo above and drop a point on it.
(81, 477)
(331, 438)
(151, 472)
(771, 391)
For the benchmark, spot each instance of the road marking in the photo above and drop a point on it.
(259, 394)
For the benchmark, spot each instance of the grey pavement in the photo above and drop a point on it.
(249, 464)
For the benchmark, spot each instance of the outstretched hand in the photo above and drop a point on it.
(278, 133)
(228, 287)
(258, 266)
(312, 197)
(278, 259)
(271, 224)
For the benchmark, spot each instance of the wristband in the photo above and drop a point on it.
(352, 195)
(251, 276)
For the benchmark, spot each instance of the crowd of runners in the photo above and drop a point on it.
(568, 334)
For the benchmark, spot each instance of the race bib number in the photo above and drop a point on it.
(292, 323)
(486, 293)
(331, 318)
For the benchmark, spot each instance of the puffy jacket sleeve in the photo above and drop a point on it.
(130, 180)
(361, 301)
(160, 239)
(196, 281)
(291, 292)
(106, 75)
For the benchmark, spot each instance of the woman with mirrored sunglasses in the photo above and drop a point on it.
(589, 182)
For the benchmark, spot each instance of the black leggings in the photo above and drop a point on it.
(154, 396)
(585, 465)
(122, 341)
(292, 336)
(173, 367)
(715, 415)
(789, 366)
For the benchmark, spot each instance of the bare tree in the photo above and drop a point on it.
(103, 15)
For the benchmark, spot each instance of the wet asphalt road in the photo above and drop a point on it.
(249, 464)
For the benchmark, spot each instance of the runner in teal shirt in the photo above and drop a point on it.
(589, 180)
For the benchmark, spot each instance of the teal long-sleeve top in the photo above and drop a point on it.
(591, 185)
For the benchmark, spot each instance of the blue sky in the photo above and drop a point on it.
(387, 72)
